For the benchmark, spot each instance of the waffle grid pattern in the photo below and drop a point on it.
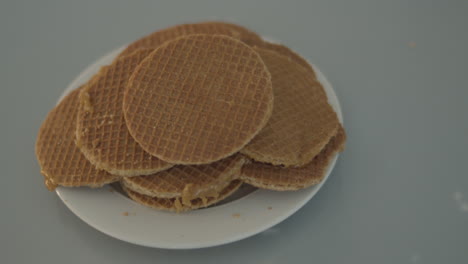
(61, 161)
(285, 51)
(171, 183)
(101, 133)
(302, 121)
(286, 179)
(198, 99)
(169, 204)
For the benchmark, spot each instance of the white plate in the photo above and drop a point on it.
(106, 210)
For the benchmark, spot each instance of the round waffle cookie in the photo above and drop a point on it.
(278, 178)
(198, 99)
(101, 132)
(61, 161)
(302, 121)
(188, 181)
(285, 51)
(175, 204)
(216, 28)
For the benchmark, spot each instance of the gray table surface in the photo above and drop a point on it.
(399, 193)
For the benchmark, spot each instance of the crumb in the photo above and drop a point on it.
(111, 190)
(237, 215)
(412, 44)
(125, 213)
(269, 208)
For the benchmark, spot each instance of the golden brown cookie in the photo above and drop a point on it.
(188, 181)
(61, 161)
(175, 204)
(198, 99)
(278, 178)
(302, 121)
(101, 132)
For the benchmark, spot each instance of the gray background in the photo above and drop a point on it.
(399, 193)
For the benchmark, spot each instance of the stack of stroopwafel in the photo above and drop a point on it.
(182, 117)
